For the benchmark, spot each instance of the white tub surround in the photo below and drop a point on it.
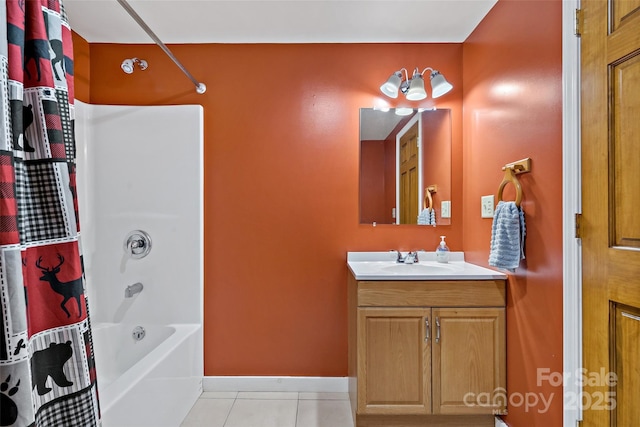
(140, 168)
(383, 266)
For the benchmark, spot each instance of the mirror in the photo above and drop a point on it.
(404, 152)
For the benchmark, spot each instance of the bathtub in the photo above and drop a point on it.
(151, 382)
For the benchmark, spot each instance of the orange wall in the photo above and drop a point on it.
(281, 185)
(82, 67)
(372, 180)
(513, 109)
(436, 131)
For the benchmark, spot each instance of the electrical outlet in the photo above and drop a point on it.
(445, 209)
(486, 203)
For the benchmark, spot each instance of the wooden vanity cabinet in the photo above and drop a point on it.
(394, 361)
(469, 357)
(422, 351)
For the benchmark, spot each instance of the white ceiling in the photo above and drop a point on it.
(376, 125)
(283, 21)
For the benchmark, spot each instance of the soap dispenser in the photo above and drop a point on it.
(442, 251)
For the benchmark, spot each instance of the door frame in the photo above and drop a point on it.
(417, 117)
(571, 204)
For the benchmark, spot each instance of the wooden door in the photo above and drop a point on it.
(469, 360)
(611, 211)
(408, 176)
(394, 369)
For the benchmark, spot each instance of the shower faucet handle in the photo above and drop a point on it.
(137, 244)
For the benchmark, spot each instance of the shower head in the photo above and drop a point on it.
(128, 65)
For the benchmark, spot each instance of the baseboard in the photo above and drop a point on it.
(299, 384)
(500, 423)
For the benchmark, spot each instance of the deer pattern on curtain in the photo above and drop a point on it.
(47, 370)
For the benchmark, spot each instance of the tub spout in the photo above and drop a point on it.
(131, 290)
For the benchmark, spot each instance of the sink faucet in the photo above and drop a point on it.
(409, 258)
(131, 290)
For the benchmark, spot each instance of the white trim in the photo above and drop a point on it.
(571, 204)
(294, 384)
(201, 214)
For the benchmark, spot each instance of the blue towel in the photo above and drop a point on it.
(423, 218)
(427, 217)
(507, 236)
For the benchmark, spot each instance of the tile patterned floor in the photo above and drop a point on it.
(270, 409)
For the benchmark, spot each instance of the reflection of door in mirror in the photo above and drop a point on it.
(408, 175)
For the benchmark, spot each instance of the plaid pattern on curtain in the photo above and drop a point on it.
(47, 369)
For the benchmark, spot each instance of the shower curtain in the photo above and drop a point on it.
(47, 370)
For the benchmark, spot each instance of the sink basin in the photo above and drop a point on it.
(418, 268)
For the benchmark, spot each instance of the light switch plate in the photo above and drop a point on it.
(487, 205)
(445, 209)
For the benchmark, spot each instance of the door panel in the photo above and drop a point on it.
(626, 161)
(622, 10)
(468, 360)
(394, 368)
(625, 363)
(409, 165)
(610, 106)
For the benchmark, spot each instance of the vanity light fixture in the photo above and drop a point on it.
(128, 65)
(413, 88)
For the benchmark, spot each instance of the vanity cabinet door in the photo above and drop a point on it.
(469, 360)
(394, 361)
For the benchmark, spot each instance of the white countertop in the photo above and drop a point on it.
(383, 266)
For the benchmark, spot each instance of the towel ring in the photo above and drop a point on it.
(510, 177)
(428, 201)
(427, 196)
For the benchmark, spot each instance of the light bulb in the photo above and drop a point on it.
(439, 85)
(392, 85)
(416, 90)
(127, 66)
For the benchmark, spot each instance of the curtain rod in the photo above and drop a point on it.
(200, 87)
